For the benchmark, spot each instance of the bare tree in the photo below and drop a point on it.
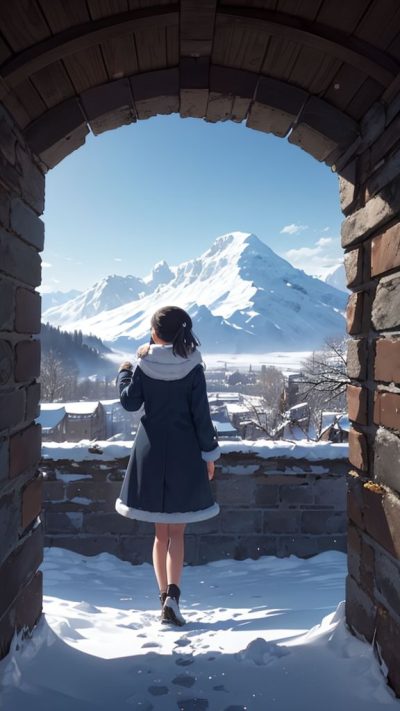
(57, 381)
(323, 378)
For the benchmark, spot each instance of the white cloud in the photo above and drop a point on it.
(313, 260)
(46, 265)
(117, 259)
(293, 229)
(326, 229)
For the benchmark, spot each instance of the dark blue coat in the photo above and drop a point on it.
(167, 480)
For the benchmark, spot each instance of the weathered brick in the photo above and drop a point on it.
(281, 521)
(18, 259)
(355, 313)
(9, 521)
(387, 360)
(377, 211)
(331, 491)
(27, 311)
(25, 449)
(241, 521)
(353, 264)
(358, 450)
(387, 576)
(386, 304)
(323, 522)
(385, 251)
(27, 360)
(7, 305)
(31, 502)
(388, 641)
(4, 459)
(12, 409)
(31, 180)
(239, 492)
(357, 404)
(8, 138)
(32, 401)
(107, 522)
(381, 518)
(6, 362)
(20, 567)
(357, 358)
(53, 490)
(300, 494)
(355, 501)
(387, 409)
(63, 522)
(354, 551)
(265, 495)
(26, 224)
(347, 187)
(360, 610)
(29, 602)
(387, 458)
(4, 208)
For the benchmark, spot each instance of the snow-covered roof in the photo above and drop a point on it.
(81, 408)
(51, 415)
(223, 427)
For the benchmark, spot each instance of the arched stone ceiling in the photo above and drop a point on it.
(308, 70)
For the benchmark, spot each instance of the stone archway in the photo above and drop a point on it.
(326, 79)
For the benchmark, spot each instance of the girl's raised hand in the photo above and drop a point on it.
(210, 470)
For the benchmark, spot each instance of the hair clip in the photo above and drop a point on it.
(184, 324)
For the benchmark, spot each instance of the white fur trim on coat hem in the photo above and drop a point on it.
(158, 517)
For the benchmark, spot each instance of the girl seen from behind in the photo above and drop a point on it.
(172, 461)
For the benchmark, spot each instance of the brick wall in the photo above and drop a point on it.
(268, 507)
(21, 240)
(370, 197)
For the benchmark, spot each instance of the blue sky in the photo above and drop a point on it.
(165, 188)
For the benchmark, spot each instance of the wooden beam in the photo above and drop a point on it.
(359, 54)
(80, 37)
(197, 21)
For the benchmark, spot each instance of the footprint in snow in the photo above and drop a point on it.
(184, 662)
(150, 644)
(184, 680)
(158, 690)
(182, 642)
(193, 704)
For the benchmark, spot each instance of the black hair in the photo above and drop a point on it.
(174, 325)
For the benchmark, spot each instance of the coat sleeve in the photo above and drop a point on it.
(129, 385)
(200, 409)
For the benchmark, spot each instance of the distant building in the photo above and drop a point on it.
(334, 427)
(53, 421)
(85, 420)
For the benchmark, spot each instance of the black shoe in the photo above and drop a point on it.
(171, 613)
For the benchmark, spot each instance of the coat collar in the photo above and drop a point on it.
(161, 364)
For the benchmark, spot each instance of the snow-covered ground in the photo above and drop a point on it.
(260, 635)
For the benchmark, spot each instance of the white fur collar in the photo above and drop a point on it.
(161, 364)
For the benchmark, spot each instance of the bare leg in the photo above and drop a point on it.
(175, 552)
(160, 549)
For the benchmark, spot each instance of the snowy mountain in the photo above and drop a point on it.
(241, 295)
(335, 276)
(56, 298)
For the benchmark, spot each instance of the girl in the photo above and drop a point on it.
(172, 460)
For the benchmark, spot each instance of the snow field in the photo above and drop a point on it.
(260, 634)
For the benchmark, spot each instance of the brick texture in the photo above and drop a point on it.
(27, 360)
(387, 409)
(385, 251)
(27, 311)
(358, 450)
(31, 502)
(387, 360)
(25, 451)
(357, 404)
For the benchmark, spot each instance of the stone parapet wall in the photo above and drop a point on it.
(370, 198)
(21, 240)
(270, 506)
